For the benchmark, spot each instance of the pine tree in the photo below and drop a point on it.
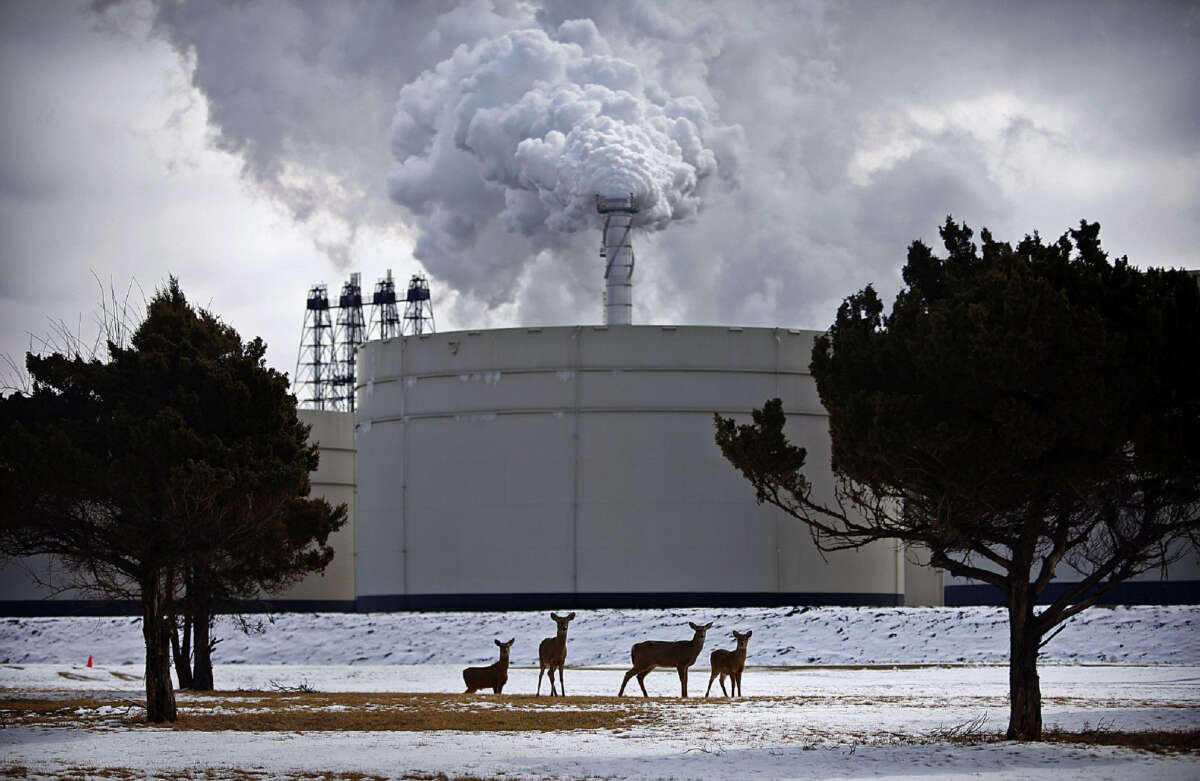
(1019, 409)
(180, 455)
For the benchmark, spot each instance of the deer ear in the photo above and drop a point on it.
(554, 616)
(749, 633)
(510, 642)
(497, 642)
(693, 626)
(708, 625)
(571, 615)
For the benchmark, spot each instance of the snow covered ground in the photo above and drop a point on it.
(804, 715)
(782, 637)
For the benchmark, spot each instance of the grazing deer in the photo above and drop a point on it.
(552, 653)
(494, 676)
(680, 654)
(730, 663)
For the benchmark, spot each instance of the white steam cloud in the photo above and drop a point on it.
(805, 142)
(536, 125)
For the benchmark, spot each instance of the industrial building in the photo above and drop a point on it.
(575, 467)
(564, 467)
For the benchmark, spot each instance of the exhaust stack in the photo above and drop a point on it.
(616, 249)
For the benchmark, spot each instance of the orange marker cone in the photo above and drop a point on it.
(89, 660)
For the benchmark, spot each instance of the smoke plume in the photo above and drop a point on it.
(803, 143)
(545, 123)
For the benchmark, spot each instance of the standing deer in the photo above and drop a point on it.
(730, 663)
(494, 676)
(680, 654)
(552, 653)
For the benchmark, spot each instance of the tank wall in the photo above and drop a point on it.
(31, 584)
(1179, 583)
(924, 586)
(580, 461)
(334, 481)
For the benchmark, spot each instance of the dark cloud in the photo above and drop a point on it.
(921, 190)
(846, 130)
(840, 132)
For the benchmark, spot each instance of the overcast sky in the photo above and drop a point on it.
(788, 152)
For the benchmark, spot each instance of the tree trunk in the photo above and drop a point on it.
(160, 694)
(182, 651)
(202, 673)
(1024, 687)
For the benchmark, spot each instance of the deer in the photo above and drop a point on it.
(552, 653)
(680, 654)
(730, 663)
(493, 676)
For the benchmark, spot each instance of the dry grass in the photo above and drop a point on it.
(351, 712)
(365, 712)
(275, 711)
(29, 711)
(1103, 734)
(79, 773)
(85, 773)
(1158, 742)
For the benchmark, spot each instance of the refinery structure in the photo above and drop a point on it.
(574, 466)
(333, 332)
(563, 467)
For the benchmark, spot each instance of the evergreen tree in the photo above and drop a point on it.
(136, 472)
(1019, 409)
(250, 529)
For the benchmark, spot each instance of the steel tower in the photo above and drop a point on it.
(350, 333)
(315, 364)
(418, 308)
(385, 318)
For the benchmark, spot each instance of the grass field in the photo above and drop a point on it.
(832, 693)
(821, 722)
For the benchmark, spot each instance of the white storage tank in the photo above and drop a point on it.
(563, 467)
(333, 589)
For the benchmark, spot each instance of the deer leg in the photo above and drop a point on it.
(628, 675)
(683, 681)
(553, 693)
(542, 669)
(562, 687)
(723, 685)
(711, 678)
(737, 679)
(642, 681)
